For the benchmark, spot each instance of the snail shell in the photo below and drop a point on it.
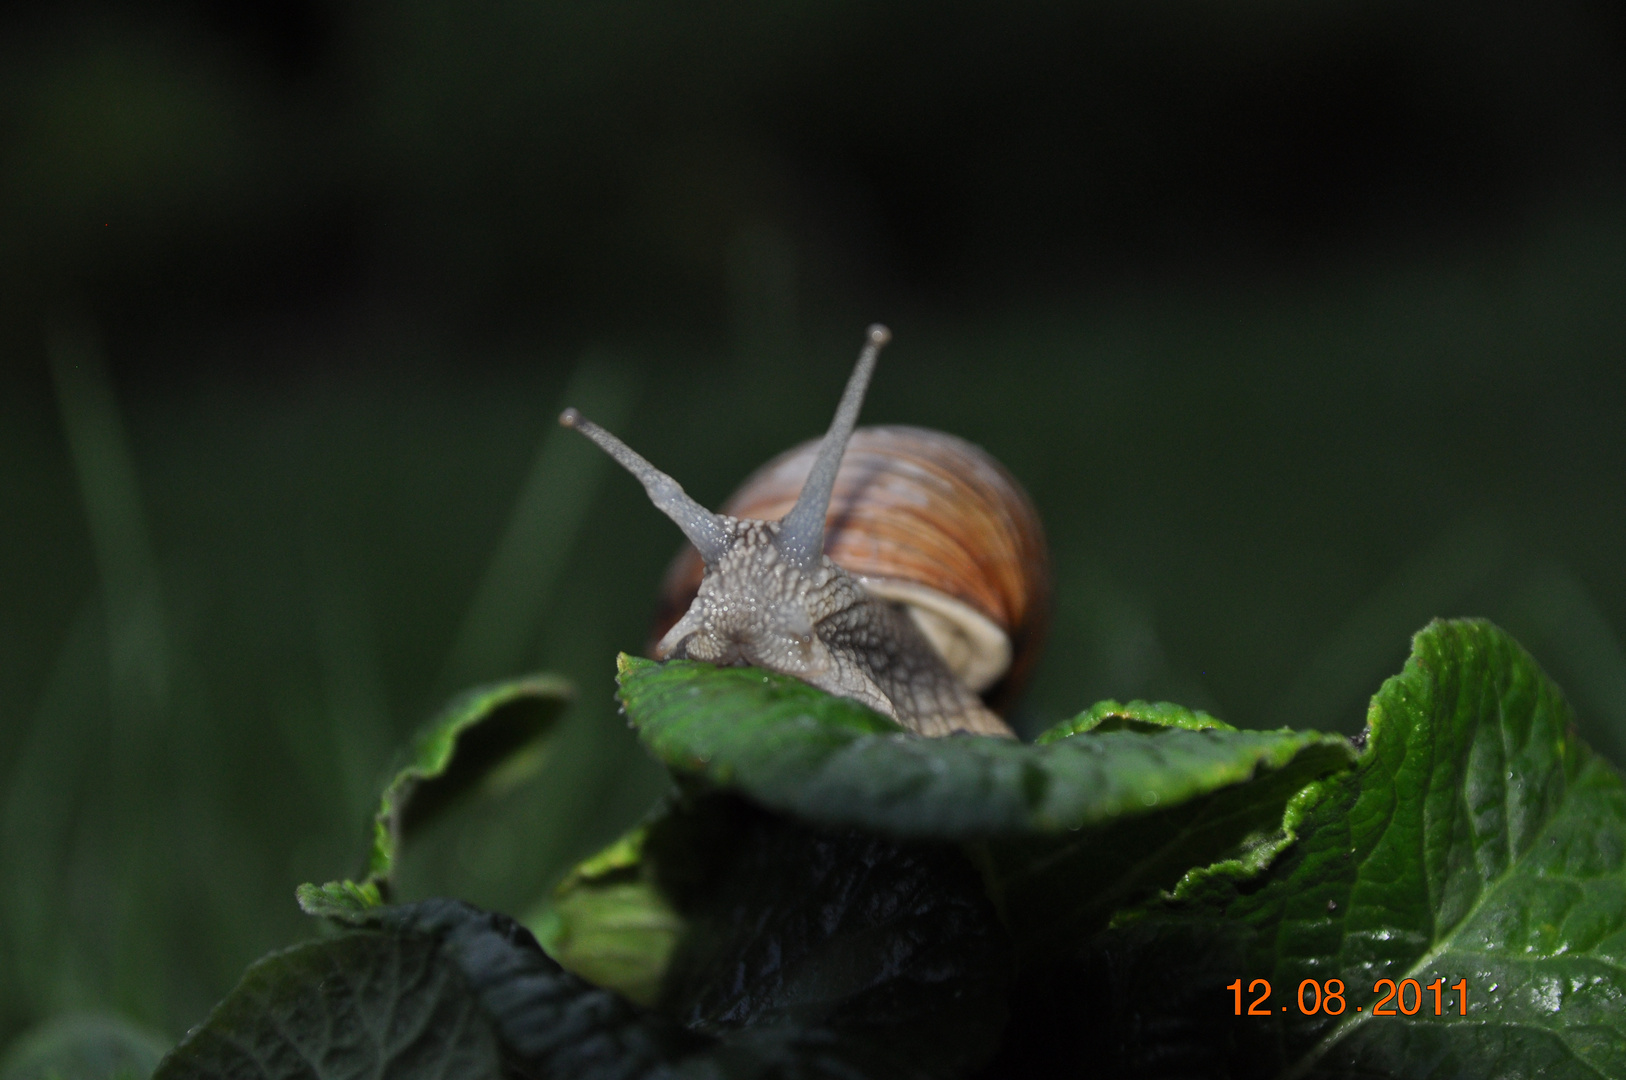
(930, 521)
(771, 596)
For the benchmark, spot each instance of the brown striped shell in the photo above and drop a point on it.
(927, 519)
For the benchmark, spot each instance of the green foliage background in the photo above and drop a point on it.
(1302, 328)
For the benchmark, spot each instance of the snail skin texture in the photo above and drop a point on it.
(946, 581)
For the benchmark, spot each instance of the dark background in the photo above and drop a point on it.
(1303, 324)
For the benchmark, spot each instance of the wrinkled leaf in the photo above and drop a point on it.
(442, 989)
(886, 955)
(435, 989)
(891, 950)
(1058, 890)
(362, 1004)
(825, 759)
(1478, 839)
(491, 737)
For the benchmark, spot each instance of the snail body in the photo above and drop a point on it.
(924, 519)
(898, 566)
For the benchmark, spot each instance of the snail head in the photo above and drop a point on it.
(767, 584)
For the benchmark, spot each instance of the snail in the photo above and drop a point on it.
(898, 566)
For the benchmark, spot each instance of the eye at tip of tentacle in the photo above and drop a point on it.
(705, 530)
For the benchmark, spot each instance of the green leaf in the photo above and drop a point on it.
(83, 1047)
(434, 989)
(1478, 839)
(489, 738)
(1056, 891)
(361, 1004)
(343, 900)
(610, 923)
(1148, 716)
(442, 989)
(825, 759)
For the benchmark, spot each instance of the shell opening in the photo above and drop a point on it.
(972, 644)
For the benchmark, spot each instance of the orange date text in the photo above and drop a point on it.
(1408, 997)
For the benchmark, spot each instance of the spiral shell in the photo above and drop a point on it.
(926, 519)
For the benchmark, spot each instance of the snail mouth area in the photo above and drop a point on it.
(800, 654)
(708, 649)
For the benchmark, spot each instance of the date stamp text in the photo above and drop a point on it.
(1328, 997)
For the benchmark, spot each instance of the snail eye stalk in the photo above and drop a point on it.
(801, 531)
(703, 528)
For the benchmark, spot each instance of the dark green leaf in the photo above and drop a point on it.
(1057, 890)
(876, 957)
(363, 1004)
(491, 737)
(887, 955)
(825, 759)
(548, 1021)
(442, 989)
(1477, 840)
(87, 1047)
(437, 989)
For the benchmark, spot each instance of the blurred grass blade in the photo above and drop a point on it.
(138, 651)
(501, 622)
(353, 688)
(39, 844)
(1576, 639)
(1332, 690)
(137, 641)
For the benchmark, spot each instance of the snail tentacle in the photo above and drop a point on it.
(801, 531)
(704, 529)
